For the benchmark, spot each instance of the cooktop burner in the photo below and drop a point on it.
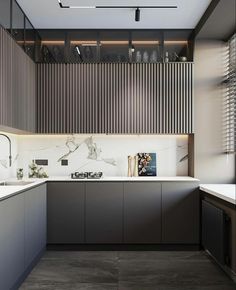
(86, 175)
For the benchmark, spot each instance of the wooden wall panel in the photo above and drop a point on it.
(17, 86)
(115, 98)
(67, 98)
(177, 98)
(6, 96)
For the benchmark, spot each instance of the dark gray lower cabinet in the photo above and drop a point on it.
(180, 213)
(142, 212)
(147, 212)
(11, 241)
(104, 212)
(65, 212)
(35, 222)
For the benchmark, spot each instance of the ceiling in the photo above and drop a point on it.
(213, 28)
(48, 14)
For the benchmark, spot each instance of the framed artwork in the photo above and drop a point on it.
(147, 164)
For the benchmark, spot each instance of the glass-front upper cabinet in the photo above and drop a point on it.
(146, 46)
(53, 45)
(177, 46)
(30, 39)
(18, 24)
(82, 46)
(114, 46)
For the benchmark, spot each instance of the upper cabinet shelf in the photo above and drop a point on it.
(115, 46)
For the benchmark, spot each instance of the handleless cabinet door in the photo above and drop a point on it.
(142, 212)
(104, 212)
(65, 212)
(137, 98)
(11, 241)
(176, 101)
(35, 222)
(180, 213)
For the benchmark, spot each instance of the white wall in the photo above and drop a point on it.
(211, 164)
(99, 153)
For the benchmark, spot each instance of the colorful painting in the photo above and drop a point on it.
(147, 164)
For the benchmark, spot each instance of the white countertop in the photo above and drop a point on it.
(226, 192)
(125, 178)
(7, 191)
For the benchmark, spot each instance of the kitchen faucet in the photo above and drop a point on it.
(9, 140)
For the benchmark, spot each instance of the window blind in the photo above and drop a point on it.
(230, 83)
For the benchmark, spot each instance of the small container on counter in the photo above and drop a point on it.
(19, 173)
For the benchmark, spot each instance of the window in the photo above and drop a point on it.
(230, 104)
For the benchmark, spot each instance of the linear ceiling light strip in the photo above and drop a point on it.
(134, 7)
(116, 7)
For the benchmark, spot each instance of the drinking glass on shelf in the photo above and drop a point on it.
(153, 57)
(138, 56)
(145, 56)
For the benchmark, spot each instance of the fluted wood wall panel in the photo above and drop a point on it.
(6, 96)
(177, 98)
(67, 98)
(115, 98)
(17, 86)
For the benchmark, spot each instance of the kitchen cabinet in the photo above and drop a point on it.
(104, 212)
(121, 98)
(12, 239)
(219, 229)
(35, 222)
(65, 212)
(180, 213)
(142, 212)
(97, 212)
(22, 235)
(17, 86)
(73, 112)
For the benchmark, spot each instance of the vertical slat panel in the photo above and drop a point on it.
(115, 98)
(17, 85)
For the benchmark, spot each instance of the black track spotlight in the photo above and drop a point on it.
(132, 49)
(137, 14)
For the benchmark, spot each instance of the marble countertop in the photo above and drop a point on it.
(7, 191)
(226, 192)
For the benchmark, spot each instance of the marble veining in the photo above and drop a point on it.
(94, 152)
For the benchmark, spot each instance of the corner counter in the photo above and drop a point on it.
(226, 192)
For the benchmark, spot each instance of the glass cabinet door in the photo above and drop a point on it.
(18, 24)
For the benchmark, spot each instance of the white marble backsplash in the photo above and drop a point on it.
(106, 153)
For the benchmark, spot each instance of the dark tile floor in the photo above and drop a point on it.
(127, 271)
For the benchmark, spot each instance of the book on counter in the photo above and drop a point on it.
(147, 164)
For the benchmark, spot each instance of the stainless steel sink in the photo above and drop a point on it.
(15, 183)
